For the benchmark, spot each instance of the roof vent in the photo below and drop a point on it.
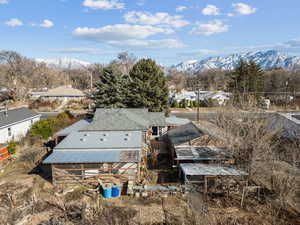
(126, 139)
(82, 139)
(102, 139)
(86, 135)
(127, 134)
(105, 135)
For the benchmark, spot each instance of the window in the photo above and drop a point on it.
(9, 131)
(154, 131)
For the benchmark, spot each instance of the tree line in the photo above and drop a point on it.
(246, 77)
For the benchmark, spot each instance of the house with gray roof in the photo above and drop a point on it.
(90, 156)
(110, 147)
(64, 93)
(15, 123)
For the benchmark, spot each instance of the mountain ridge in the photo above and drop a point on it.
(266, 59)
(64, 63)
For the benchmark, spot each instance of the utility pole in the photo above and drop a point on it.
(286, 92)
(91, 77)
(198, 105)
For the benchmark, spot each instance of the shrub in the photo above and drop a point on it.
(12, 147)
(65, 116)
(43, 128)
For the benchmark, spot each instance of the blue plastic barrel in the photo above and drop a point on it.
(115, 192)
(107, 191)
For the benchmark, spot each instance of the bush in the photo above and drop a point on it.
(43, 128)
(46, 128)
(12, 147)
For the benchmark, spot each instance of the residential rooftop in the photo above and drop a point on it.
(73, 128)
(125, 119)
(64, 91)
(12, 116)
(183, 134)
(101, 140)
(92, 156)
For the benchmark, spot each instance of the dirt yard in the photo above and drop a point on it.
(27, 198)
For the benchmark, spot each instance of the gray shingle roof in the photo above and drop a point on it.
(86, 156)
(184, 134)
(124, 119)
(210, 170)
(16, 115)
(74, 127)
(175, 121)
(102, 140)
(285, 124)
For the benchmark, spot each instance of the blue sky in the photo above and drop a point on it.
(168, 31)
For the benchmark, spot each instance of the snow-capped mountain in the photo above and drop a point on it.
(64, 63)
(267, 60)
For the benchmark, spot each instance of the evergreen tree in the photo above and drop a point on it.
(247, 78)
(239, 78)
(147, 87)
(255, 79)
(111, 89)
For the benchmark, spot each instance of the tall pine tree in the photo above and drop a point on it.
(247, 79)
(255, 79)
(147, 87)
(111, 88)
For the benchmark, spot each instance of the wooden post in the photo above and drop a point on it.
(82, 172)
(205, 184)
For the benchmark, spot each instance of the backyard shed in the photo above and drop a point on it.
(199, 173)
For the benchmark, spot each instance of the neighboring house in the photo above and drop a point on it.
(287, 127)
(286, 124)
(220, 97)
(111, 147)
(64, 93)
(15, 123)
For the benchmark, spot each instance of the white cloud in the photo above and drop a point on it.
(160, 18)
(46, 24)
(118, 32)
(148, 44)
(127, 35)
(87, 51)
(211, 10)
(14, 22)
(3, 2)
(180, 8)
(103, 4)
(212, 27)
(243, 9)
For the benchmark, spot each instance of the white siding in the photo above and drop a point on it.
(18, 130)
